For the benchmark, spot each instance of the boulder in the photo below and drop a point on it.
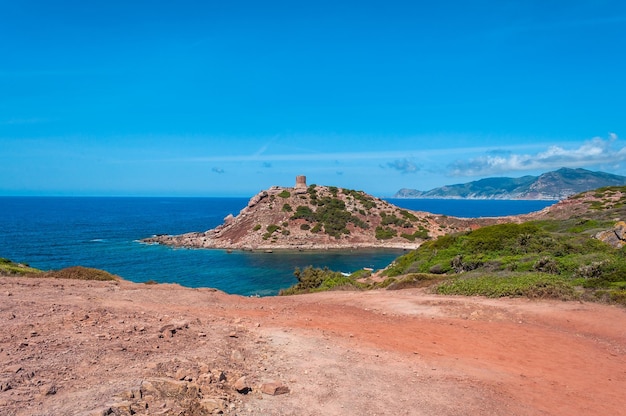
(257, 198)
(241, 385)
(274, 388)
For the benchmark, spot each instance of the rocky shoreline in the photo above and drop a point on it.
(322, 218)
(206, 240)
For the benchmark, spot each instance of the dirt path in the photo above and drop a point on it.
(92, 348)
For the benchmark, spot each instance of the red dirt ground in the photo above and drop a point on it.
(75, 347)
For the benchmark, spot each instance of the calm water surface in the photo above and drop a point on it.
(57, 232)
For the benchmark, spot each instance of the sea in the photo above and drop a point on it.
(52, 233)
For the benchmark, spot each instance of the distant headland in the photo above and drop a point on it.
(556, 185)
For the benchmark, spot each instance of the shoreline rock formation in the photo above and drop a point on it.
(322, 217)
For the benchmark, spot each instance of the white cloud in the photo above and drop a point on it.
(593, 152)
(404, 166)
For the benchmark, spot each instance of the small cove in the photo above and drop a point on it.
(57, 232)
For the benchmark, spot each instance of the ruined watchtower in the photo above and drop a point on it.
(300, 183)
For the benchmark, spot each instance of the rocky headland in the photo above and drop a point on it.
(323, 217)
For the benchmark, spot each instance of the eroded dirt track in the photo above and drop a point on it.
(73, 347)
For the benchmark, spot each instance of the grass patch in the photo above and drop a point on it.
(9, 268)
(531, 285)
(413, 280)
(385, 233)
(81, 273)
(313, 279)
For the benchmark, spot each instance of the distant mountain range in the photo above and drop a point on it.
(555, 185)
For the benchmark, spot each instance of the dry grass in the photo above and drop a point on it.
(81, 273)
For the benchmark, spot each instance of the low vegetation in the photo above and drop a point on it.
(9, 268)
(312, 279)
(559, 258)
(81, 273)
(331, 214)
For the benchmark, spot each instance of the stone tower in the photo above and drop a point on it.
(300, 182)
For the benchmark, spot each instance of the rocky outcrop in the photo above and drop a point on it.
(615, 237)
(320, 217)
(326, 217)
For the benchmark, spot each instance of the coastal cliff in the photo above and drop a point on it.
(321, 217)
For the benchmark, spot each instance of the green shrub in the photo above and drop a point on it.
(331, 214)
(383, 233)
(361, 274)
(406, 214)
(413, 280)
(421, 234)
(312, 279)
(392, 220)
(534, 285)
(304, 212)
(284, 194)
(287, 208)
(618, 296)
(271, 228)
(7, 267)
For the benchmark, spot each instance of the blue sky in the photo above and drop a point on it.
(205, 98)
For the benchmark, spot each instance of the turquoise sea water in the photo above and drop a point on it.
(57, 232)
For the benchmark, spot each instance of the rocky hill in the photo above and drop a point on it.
(319, 217)
(555, 185)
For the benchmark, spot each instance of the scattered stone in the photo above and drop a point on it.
(181, 374)
(219, 375)
(123, 408)
(48, 390)
(169, 330)
(13, 368)
(236, 355)
(206, 378)
(616, 237)
(212, 406)
(241, 385)
(274, 388)
(130, 394)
